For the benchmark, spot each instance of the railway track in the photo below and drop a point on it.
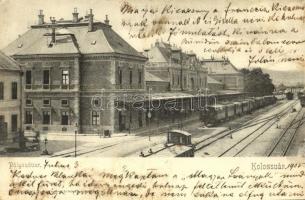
(214, 138)
(82, 152)
(245, 142)
(98, 148)
(199, 145)
(282, 144)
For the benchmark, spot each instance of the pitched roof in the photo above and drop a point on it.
(71, 38)
(7, 63)
(151, 77)
(213, 81)
(220, 67)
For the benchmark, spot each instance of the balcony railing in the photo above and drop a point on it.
(49, 87)
(128, 86)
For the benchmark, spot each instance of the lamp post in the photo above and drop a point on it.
(149, 116)
(75, 140)
(130, 120)
(181, 120)
(149, 111)
(45, 151)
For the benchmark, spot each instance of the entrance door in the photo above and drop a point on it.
(3, 129)
(121, 121)
(14, 123)
(140, 119)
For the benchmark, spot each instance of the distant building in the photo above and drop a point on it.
(10, 98)
(156, 84)
(76, 74)
(182, 70)
(225, 72)
(214, 86)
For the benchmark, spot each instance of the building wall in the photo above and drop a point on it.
(230, 81)
(214, 87)
(9, 106)
(157, 86)
(101, 80)
(55, 93)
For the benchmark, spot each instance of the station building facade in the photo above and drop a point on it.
(10, 98)
(223, 71)
(76, 73)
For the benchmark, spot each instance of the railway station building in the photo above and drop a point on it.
(10, 98)
(75, 73)
(223, 71)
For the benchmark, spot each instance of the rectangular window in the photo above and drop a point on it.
(14, 90)
(64, 118)
(46, 102)
(130, 77)
(1, 90)
(28, 117)
(46, 117)
(28, 79)
(64, 102)
(14, 123)
(28, 102)
(65, 79)
(95, 118)
(140, 77)
(46, 79)
(2, 119)
(120, 77)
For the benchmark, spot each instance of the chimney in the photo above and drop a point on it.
(106, 20)
(41, 17)
(90, 24)
(52, 19)
(75, 15)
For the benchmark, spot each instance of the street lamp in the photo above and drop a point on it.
(130, 121)
(75, 140)
(45, 151)
(149, 111)
(149, 116)
(181, 120)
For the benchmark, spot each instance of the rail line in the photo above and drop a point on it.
(238, 151)
(214, 138)
(81, 152)
(282, 145)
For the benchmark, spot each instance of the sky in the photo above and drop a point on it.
(16, 17)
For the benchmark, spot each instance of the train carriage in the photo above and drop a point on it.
(300, 94)
(238, 108)
(289, 96)
(258, 102)
(178, 144)
(230, 111)
(302, 100)
(251, 105)
(245, 106)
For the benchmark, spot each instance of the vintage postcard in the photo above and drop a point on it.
(131, 99)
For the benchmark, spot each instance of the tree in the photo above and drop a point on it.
(281, 87)
(257, 82)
